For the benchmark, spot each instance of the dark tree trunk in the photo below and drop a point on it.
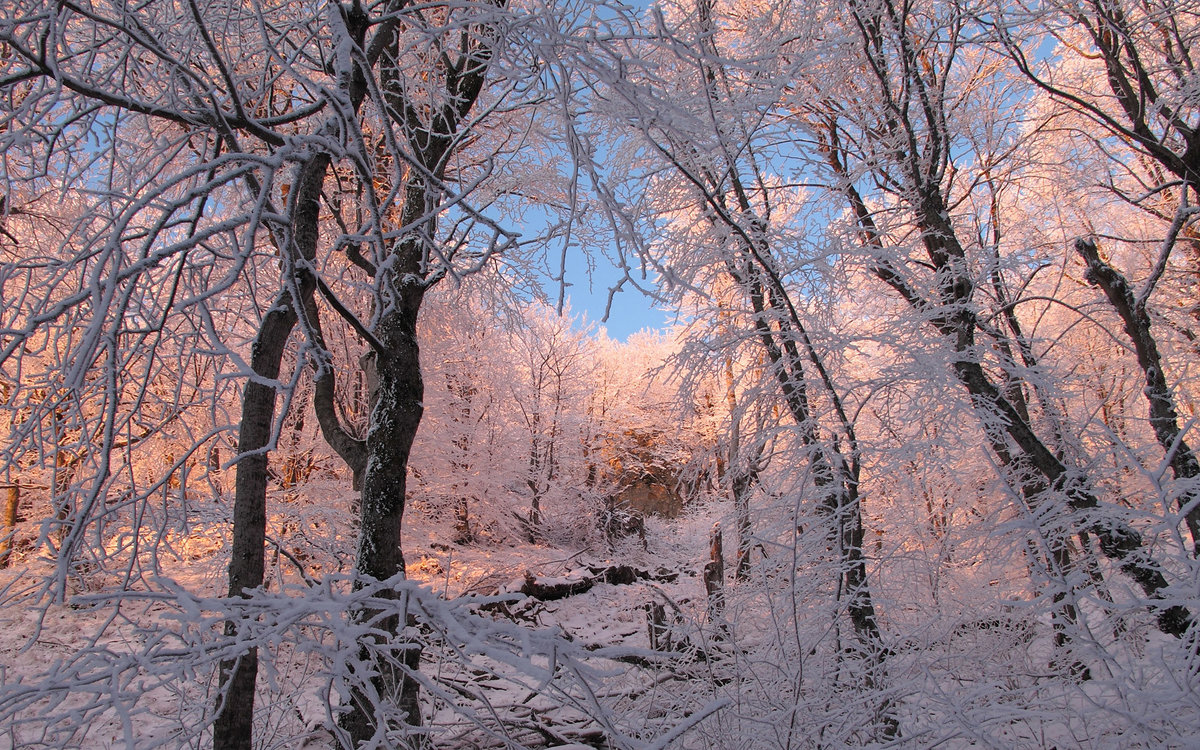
(233, 729)
(395, 418)
(743, 483)
(233, 726)
(1117, 540)
(1164, 417)
(351, 450)
(728, 205)
(394, 422)
(952, 314)
(834, 476)
(714, 579)
(8, 522)
(430, 136)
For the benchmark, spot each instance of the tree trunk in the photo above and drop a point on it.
(833, 476)
(351, 450)
(743, 483)
(8, 523)
(401, 284)
(742, 478)
(1118, 541)
(714, 579)
(952, 315)
(233, 729)
(395, 418)
(1164, 417)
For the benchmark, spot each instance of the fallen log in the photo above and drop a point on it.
(551, 589)
(626, 574)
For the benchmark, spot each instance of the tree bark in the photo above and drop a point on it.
(399, 397)
(1117, 540)
(1164, 417)
(395, 419)
(8, 523)
(351, 450)
(742, 478)
(233, 728)
(729, 202)
(714, 579)
(952, 315)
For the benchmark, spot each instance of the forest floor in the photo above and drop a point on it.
(70, 637)
(132, 663)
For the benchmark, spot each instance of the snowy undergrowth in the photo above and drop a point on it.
(131, 661)
(778, 668)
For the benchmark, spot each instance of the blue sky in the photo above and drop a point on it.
(631, 310)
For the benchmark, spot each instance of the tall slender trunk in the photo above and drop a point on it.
(233, 726)
(395, 418)
(351, 449)
(835, 475)
(730, 186)
(741, 478)
(431, 136)
(1164, 417)
(233, 729)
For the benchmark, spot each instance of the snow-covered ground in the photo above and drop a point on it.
(501, 669)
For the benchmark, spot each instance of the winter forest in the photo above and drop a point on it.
(304, 445)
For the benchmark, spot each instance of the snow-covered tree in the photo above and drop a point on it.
(294, 166)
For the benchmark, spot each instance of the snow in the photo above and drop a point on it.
(136, 668)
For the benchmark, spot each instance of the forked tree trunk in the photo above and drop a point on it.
(351, 450)
(395, 418)
(233, 728)
(399, 396)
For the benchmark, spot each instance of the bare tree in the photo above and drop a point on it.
(899, 134)
(554, 364)
(1147, 127)
(711, 145)
(328, 152)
